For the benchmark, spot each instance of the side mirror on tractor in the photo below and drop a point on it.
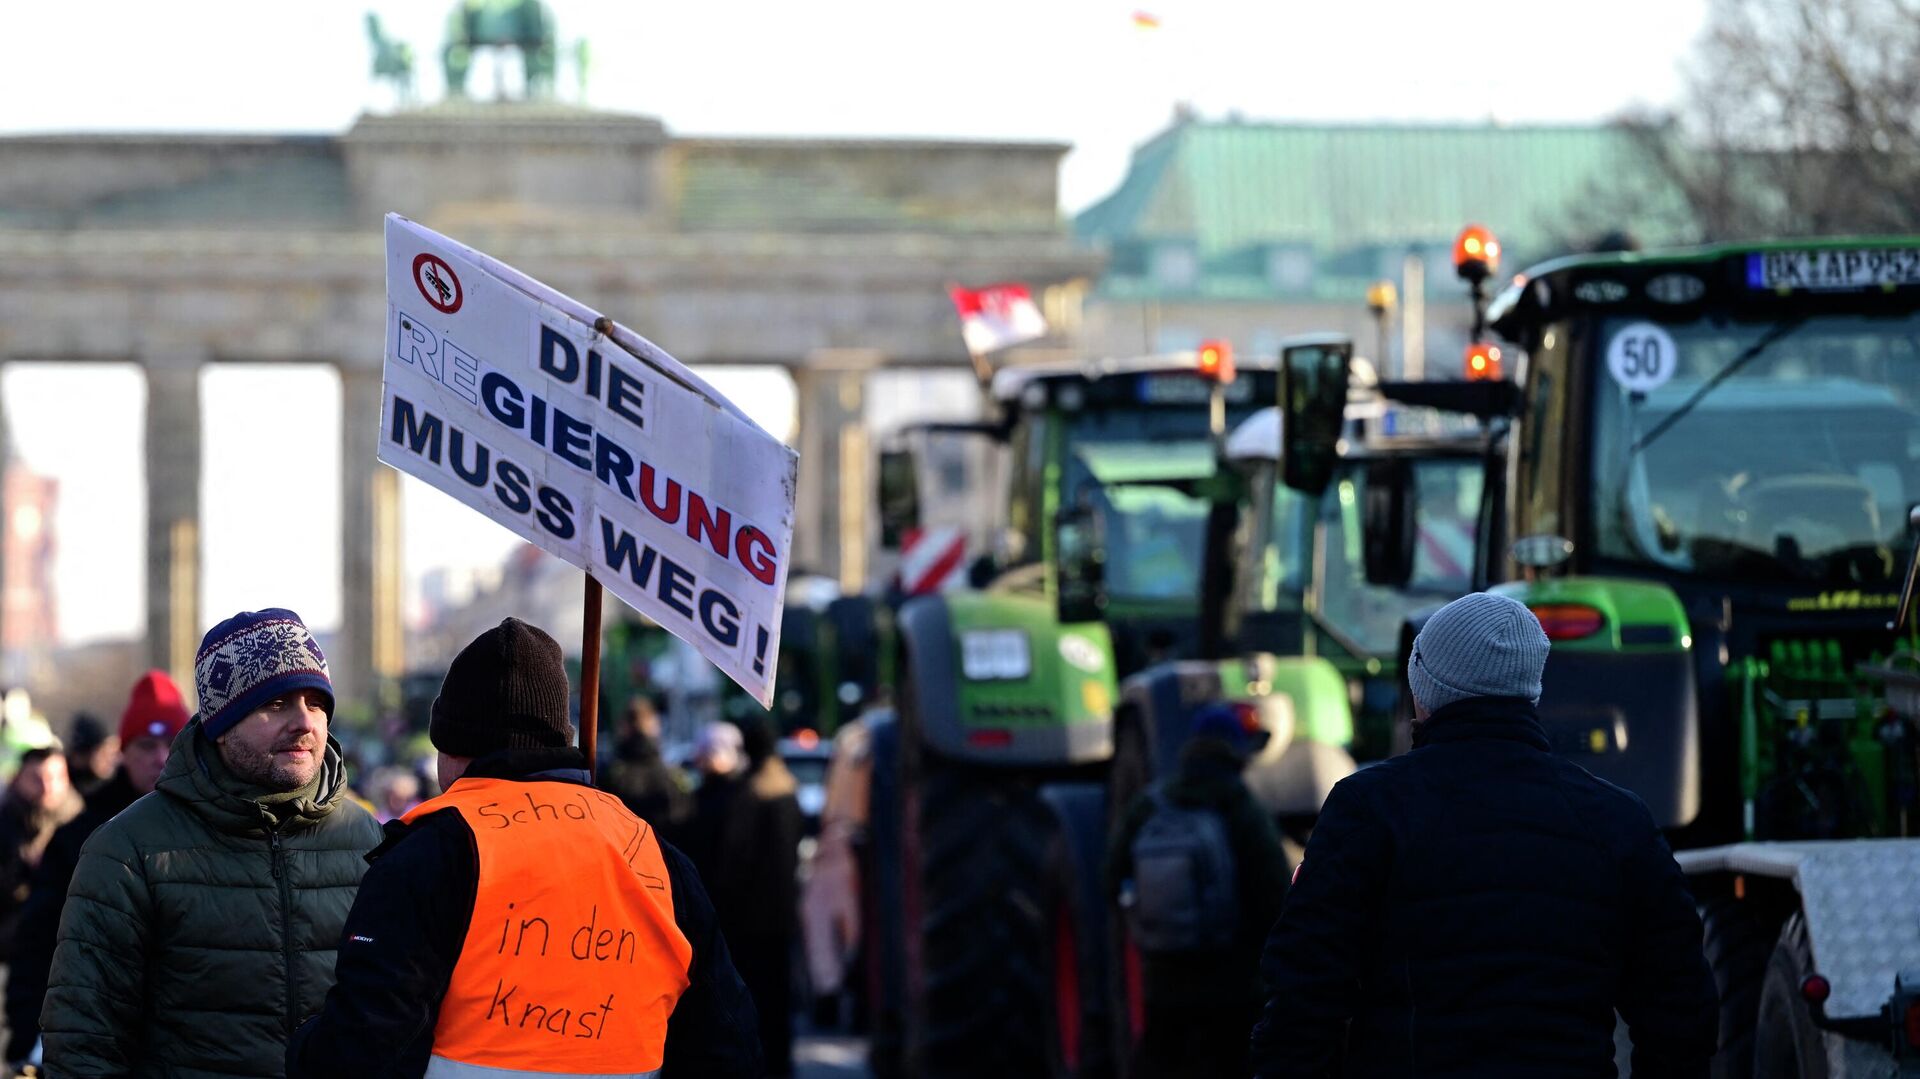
(899, 497)
(1313, 403)
(1081, 559)
(1390, 517)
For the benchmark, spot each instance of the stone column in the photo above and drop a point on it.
(10, 666)
(173, 510)
(831, 502)
(370, 645)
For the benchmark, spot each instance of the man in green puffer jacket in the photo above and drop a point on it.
(202, 921)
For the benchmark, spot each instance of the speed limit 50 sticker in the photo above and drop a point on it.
(1642, 357)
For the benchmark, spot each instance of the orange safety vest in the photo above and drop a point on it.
(572, 962)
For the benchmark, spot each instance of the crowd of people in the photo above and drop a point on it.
(206, 894)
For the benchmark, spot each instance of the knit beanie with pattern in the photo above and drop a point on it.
(249, 660)
(1480, 645)
(506, 690)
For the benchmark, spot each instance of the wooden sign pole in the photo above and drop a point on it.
(590, 676)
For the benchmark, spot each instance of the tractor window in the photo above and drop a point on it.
(1029, 458)
(1138, 465)
(1153, 522)
(1540, 460)
(1152, 536)
(1447, 495)
(1781, 452)
(1283, 536)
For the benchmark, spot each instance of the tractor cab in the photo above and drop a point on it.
(1717, 457)
(1110, 470)
(1302, 604)
(1314, 576)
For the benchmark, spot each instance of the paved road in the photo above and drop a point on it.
(819, 1056)
(833, 1056)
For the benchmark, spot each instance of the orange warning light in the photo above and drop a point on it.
(1476, 254)
(1216, 361)
(1483, 362)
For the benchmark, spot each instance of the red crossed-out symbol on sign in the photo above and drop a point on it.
(436, 281)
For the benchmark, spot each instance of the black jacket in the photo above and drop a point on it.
(40, 917)
(24, 836)
(418, 897)
(1208, 775)
(745, 837)
(641, 779)
(1480, 907)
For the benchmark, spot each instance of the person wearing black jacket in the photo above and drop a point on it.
(1198, 1003)
(501, 719)
(640, 777)
(746, 841)
(156, 713)
(1481, 907)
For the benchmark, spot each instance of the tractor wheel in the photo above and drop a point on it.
(884, 929)
(1126, 995)
(1737, 945)
(984, 962)
(1786, 1044)
(1132, 769)
(1130, 774)
(1080, 1041)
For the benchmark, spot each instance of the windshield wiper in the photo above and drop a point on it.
(1732, 368)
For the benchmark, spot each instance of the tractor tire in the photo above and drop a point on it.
(1786, 1043)
(1130, 774)
(1080, 1041)
(1738, 944)
(984, 979)
(884, 929)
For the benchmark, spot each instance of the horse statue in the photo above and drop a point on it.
(526, 25)
(392, 60)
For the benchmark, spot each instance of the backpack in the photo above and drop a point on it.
(1186, 895)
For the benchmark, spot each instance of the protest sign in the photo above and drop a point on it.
(589, 441)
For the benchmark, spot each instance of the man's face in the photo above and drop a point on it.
(104, 758)
(144, 759)
(43, 784)
(720, 760)
(280, 746)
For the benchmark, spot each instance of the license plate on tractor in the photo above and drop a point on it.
(1856, 268)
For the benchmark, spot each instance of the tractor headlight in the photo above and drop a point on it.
(995, 654)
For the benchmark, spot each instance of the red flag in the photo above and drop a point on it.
(996, 317)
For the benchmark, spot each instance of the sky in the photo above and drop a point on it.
(1074, 71)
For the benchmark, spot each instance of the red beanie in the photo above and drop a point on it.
(155, 710)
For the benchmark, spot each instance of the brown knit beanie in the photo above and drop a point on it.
(506, 690)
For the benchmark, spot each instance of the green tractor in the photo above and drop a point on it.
(1293, 631)
(1144, 540)
(988, 812)
(1715, 457)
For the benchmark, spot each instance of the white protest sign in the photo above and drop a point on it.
(596, 446)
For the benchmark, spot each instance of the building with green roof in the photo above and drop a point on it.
(1252, 231)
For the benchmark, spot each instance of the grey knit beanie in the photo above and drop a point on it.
(1480, 645)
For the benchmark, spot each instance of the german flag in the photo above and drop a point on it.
(1146, 20)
